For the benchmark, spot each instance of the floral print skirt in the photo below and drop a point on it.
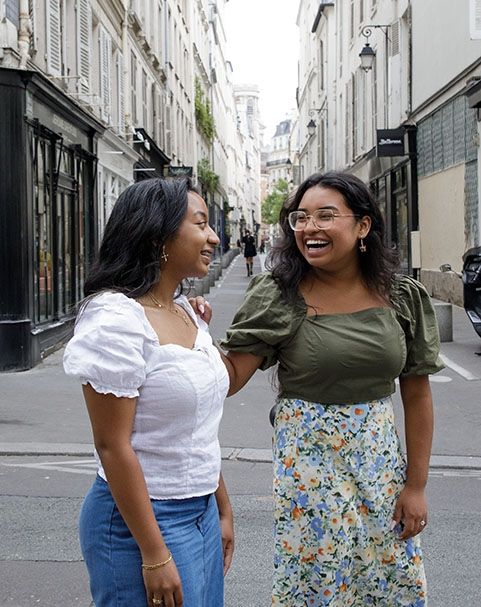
(338, 470)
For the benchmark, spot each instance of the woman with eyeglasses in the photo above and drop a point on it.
(342, 327)
(156, 526)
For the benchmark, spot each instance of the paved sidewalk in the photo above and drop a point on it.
(43, 411)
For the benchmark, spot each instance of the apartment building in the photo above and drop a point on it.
(383, 95)
(96, 94)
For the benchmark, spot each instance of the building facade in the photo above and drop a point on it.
(388, 103)
(97, 94)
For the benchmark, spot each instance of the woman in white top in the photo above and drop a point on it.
(156, 527)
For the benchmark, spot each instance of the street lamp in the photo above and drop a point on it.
(367, 56)
(311, 127)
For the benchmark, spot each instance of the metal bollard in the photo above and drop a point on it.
(444, 316)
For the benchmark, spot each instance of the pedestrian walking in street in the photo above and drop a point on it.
(342, 326)
(249, 244)
(156, 527)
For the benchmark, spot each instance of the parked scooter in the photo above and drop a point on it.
(471, 277)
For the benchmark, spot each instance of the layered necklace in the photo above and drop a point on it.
(172, 310)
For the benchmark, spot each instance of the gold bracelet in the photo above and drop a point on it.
(157, 565)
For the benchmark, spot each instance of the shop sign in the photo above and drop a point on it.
(180, 171)
(390, 142)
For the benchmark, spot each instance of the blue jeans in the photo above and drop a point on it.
(191, 530)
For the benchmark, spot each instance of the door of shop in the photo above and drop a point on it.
(400, 228)
(66, 243)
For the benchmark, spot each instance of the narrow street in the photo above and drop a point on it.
(46, 467)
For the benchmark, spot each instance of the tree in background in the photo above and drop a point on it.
(272, 203)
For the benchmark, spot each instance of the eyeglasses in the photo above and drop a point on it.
(322, 219)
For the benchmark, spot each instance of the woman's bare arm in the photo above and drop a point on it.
(112, 420)
(411, 506)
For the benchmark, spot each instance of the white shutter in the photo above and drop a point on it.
(475, 19)
(121, 92)
(33, 26)
(395, 38)
(54, 38)
(84, 45)
(105, 73)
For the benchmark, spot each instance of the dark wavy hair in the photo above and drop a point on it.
(145, 215)
(378, 264)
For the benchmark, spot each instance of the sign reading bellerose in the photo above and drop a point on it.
(390, 142)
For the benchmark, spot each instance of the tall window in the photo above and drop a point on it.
(119, 66)
(352, 19)
(105, 74)
(321, 65)
(44, 309)
(354, 102)
(145, 115)
(374, 97)
(340, 31)
(84, 46)
(54, 37)
(133, 87)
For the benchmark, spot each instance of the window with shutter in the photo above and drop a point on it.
(475, 19)
(145, 119)
(133, 87)
(54, 37)
(120, 92)
(12, 11)
(84, 44)
(395, 38)
(33, 27)
(105, 74)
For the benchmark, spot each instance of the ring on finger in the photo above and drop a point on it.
(156, 601)
(422, 523)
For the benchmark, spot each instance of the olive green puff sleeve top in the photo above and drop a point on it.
(338, 358)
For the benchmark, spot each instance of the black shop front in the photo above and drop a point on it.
(48, 215)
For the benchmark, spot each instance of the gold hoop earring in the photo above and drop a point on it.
(164, 255)
(362, 246)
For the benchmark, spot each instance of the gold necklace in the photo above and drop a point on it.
(174, 310)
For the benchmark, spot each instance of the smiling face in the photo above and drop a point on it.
(191, 249)
(336, 248)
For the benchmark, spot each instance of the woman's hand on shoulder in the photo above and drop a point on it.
(202, 308)
(163, 584)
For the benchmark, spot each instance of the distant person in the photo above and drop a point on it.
(249, 244)
(156, 527)
(342, 326)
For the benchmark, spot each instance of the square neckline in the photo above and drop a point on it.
(183, 301)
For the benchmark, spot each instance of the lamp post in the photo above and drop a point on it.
(367, 56)
(312, 126)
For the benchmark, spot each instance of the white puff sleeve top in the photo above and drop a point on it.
(180, 391)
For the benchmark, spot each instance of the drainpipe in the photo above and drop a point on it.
(24, 31)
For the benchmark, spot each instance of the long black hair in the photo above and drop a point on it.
(145, 215)
(378, 264)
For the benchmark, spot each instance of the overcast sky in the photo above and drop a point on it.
(262, 45)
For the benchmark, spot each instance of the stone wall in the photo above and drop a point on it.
(446, 286)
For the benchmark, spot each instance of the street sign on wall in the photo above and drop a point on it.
(390, 142)
(180, 171)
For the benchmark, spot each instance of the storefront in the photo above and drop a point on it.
(48, 215)
(393, 181)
